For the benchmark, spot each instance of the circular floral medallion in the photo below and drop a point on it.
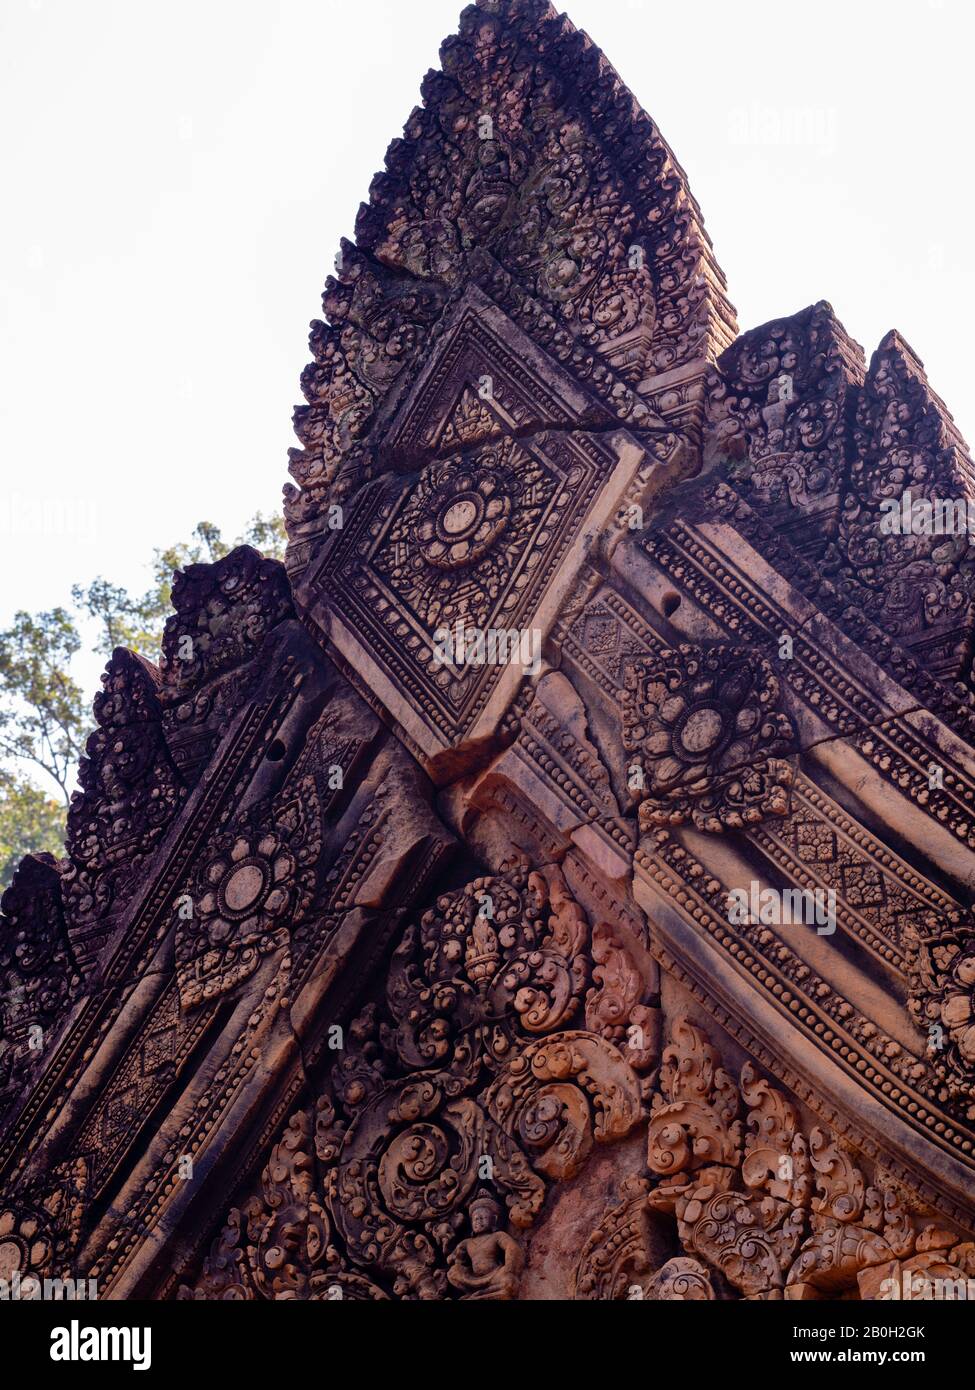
(465, 516)
(249, 893)
(710, 740)
(251, 886)
(25, 1249)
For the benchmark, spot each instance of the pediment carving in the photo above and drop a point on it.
(428, 1153)
(592, 708)
(471, 543)
(763, 1208)
(484, 378)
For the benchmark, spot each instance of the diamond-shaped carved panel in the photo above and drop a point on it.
(500, 473)
(485, 379)
(468, 524)
(487, 539)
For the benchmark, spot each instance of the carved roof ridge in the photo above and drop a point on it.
(820, 313)
(532, 170)
(124, 656)
(509, 9)
(545, 17)
(896, 345)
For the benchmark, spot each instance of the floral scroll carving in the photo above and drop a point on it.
(709, 743)
(762, 1209)
(446, 1115)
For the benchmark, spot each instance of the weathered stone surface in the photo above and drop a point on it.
(554, 883)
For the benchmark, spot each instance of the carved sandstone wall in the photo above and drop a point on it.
(372, 974)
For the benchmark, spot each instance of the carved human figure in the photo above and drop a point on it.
(488, 1263)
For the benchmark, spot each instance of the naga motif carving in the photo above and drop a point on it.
(763, 1209)
(712, 747)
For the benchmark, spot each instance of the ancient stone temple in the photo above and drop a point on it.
(554, 883)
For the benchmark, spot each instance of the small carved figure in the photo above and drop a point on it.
(488, 1263)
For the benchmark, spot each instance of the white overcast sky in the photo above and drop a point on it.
(176, 175)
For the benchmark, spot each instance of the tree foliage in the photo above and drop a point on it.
(137, 621)
(44, 714)
(30, 822)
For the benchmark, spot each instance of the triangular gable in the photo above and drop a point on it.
(485, 378)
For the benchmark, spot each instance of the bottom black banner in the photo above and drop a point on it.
(169, 1340)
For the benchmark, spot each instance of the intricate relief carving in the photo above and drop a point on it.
(515, 361)
(681, 1280)
(779, 404)
(465, 527)
(280, 1244)
(762, 1210)
(693, 1124)
(377, 323)
(540, 194)
(26, 1248)
(475, 539)
(778, 966)
(224, 612)
(38, 974)
(915, 582)
(512, 175)
(40, 1228)
(942, 1001)
(775, 1213)
(484, 378)
(255, 884)
(151, 1064)
(615, 1258)
(457, 1108)
(881, 900)
(488, 1264)
(604, 636)
(130, 792)
(710, 580)
(613, 1008)
(710, 742)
